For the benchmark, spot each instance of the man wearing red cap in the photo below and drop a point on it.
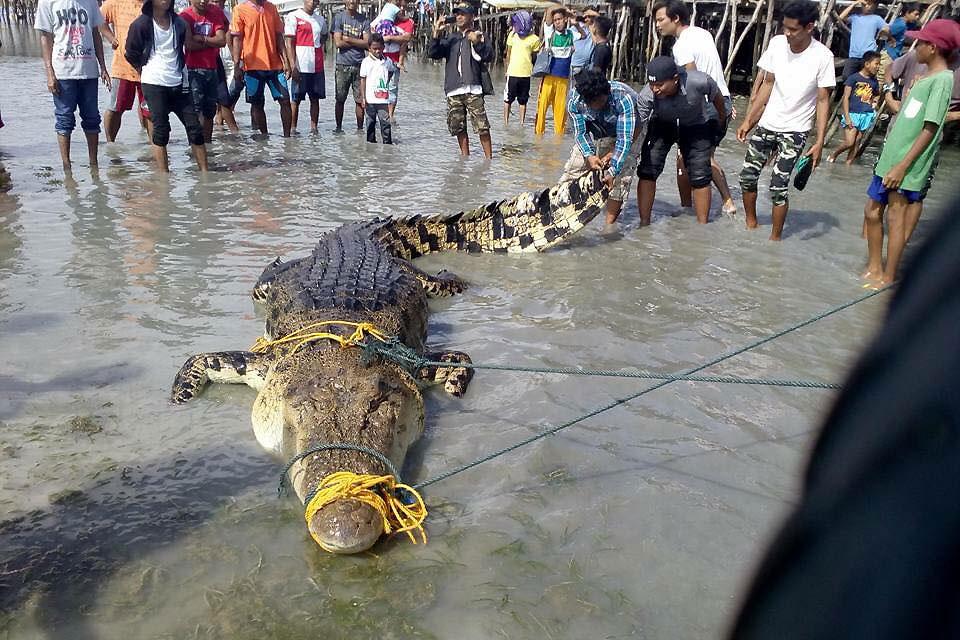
(908, 154)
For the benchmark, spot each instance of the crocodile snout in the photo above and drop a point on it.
(346, 526)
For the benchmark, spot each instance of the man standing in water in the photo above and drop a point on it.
(465, 52)
(604, 116)
(799, 76)
(261, 59)
(156, 48)
(73, 57)
(351, 35)
(694, 48)
(207, 32)
(675, 102)
(118, 15)
(306, 33)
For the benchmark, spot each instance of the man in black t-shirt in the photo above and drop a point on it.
(602, 51)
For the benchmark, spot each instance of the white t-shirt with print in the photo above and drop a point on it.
(377, 72)
(162, 68)
(308, 31)
(797, 76)
(73, 24)
(696, 45)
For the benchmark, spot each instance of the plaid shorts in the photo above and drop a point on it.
(460, 106)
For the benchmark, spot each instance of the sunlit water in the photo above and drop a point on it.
(132, 518)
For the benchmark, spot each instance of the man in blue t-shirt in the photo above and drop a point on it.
(865, 28)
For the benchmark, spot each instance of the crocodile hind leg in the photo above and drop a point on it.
(454, 379)
(441, 285)
(231, 367)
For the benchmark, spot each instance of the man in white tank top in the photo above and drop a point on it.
(694, 48)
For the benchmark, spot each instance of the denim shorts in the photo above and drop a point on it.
(258, 81)
(76, 94)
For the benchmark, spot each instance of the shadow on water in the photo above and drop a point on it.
(17, 392)
(807, 225)
(56, 559)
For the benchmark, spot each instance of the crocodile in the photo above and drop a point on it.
(320, 392)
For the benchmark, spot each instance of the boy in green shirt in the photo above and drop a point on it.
(908, 153)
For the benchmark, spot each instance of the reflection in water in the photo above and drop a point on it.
(640, 522)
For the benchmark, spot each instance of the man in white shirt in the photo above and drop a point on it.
(694, 48)
(73, 57)
(799, 78)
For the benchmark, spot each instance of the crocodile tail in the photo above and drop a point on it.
(529, 222)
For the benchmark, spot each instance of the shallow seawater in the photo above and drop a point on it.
(125, 516)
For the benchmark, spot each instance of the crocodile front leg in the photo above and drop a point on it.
(231, 367)
(454, 379)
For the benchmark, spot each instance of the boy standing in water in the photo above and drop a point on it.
(908, 153)
(73, 56)
(375, 73)
(305, 33)
(860, 93)
(155, 48)
(522, 46)
(206, 33)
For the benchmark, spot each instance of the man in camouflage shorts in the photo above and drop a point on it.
(761, 145)
(795, 92)
(463, 105)
(466, 54)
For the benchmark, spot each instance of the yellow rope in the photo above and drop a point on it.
(304, 335)
(377, 491)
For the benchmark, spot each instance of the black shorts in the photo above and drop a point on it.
(176, 100)
(517, 89)
(310, 84)
(695, 143)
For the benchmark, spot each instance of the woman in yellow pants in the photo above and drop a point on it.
(553, 90)
(559, 38)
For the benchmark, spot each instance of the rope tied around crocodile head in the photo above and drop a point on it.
(383, 345)
(400, 506)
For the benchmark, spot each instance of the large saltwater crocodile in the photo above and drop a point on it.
(319, 392)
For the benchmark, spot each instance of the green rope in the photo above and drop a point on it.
(411, 361)
(618, 402)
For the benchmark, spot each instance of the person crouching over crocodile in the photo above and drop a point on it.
(333, 408)
(604, 116)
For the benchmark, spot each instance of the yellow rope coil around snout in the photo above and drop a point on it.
(307, 334)
(380, 492)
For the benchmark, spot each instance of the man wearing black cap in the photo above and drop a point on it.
(674, 101)
(465, 52)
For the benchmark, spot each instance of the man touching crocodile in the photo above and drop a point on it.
(604, 116)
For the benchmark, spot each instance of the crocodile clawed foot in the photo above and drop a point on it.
(454, 379)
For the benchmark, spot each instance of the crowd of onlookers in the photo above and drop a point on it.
(194, 63)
